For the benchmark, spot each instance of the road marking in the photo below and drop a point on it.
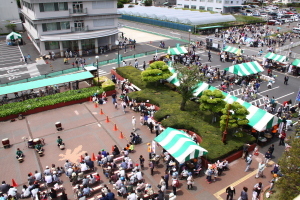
(175, 33)
(217, 194)
(99, 125)
(268, 90)
(76, 112)
(285, 95)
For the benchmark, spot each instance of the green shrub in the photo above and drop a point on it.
(192, 119)
(30, 104)
(108, 85)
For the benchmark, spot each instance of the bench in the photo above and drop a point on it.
(118, 159)
(134, 88)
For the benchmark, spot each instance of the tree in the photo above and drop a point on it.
(148, 2)
(188, 77)
(11, 27)
(237, 116)
(288, 184)
(212, 101)
(156, 71)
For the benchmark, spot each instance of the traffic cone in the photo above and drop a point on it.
(96, 105)
(115, 127)
(30, 173)
(121, 135)
(93, 157)
(14, 184)
(107, 120)
(81, 158)
(91, 98)
(101, 112)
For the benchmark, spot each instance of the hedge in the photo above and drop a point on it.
(107, 84)
(192, 119)
(30, 104)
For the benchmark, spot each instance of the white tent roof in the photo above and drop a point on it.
(176, 15)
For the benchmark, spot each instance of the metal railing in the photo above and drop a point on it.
(78, 11)
(79, 29)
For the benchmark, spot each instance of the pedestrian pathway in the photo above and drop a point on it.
(9, 54)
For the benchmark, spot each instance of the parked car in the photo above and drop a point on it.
(264, 15)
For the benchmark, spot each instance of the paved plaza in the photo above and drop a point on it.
(86, 130)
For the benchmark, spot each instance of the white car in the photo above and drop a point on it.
(249, 14)
(264, 15)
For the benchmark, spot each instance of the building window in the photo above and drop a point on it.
(56, 26)
(219, 1)
(209, 8)
(202, 0)
(103, 22)
(45, 7)
(28, 5)
(211, 1)
(231, 2)
(51, 45)
(193, 7)
(102, 4)
(226, 2)
(186, 6)
(194, 0)
(201, 7)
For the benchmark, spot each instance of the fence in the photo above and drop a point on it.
(71, 70)
(281, 50)
(172, 25)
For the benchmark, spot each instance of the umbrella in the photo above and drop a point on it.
(13, 36)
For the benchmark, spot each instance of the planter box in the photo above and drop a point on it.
(50, 107)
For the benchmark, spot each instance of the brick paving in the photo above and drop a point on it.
(85, 130)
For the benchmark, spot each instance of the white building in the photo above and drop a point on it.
(9, 13)
(221, 6)
(60, 25)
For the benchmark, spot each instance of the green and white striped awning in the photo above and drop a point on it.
(232, 50)
(173, 79)
(177, 50)
(200, 87)
(258, 118)
(296, 63)
(245, 69)
(276, 57)
(180, 145)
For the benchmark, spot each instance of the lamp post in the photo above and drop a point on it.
(118, 45)
(230, 101)
(97, 60)
(189, 41)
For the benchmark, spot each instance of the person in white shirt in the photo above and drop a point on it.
(83, 167)
(131, 196)
(38, 176)
(12, 191)
(48, 179)
(139, 175)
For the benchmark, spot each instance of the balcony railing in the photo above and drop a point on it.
(78, 11)
(79, 29)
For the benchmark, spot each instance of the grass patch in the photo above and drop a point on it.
(192, 119)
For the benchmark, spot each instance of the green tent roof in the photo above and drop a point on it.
(276, 57)
(180, 145)
(245, 69)
(44, 82)
(296, 63)
(232, 50)
(177, 50)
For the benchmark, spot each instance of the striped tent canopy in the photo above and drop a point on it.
(173, 79)
(276, 57)
(296, 63)
(200, 87)
(180, 145)
(245, 69)
(177, 50)
(258, 118)
(232, 50)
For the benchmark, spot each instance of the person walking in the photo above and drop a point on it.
(133, 121)
(248, 162)
(166, 177)
(144, 65)
(29, 57)
(136, 63)
(258, 187)
(230, 191)
(282, 136)
(209, 56)
(151, 166)
(268, 156)
(175, 185)
(244, 194)
(123, 104)
(245, 150)
(190, 182)
(142, 160)
(271, 149)
(149, 150)
(260, 170)
(286, 79)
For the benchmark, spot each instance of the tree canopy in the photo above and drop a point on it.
(237, 116)
(212, 101)
(156, 71)
(188, 78)
(288, 184)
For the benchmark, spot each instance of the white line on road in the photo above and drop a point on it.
(285, 95)
(268, 90)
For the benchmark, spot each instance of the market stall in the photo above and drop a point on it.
(296, 67)
(245, 69)
(275, 61)
(177, 50)
(180, 145)
(13, 39)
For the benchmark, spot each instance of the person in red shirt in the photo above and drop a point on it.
(282, 136)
